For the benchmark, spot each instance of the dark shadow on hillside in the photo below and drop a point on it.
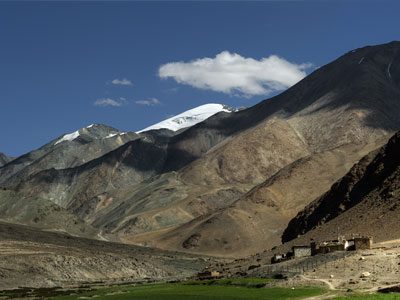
(366, 86)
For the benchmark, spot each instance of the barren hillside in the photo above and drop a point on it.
(364, 201)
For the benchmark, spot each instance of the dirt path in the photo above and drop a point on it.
(389, 242)
(332, 293)
(329, 284)
(323, 297)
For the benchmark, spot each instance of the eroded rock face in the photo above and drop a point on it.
(192, 241)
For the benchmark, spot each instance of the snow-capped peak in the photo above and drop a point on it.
(95, 131)
(189, 117)
(68, 137)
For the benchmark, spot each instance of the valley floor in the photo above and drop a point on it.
(246, 289)
(34, 258)
(341, 273)
(225, 289)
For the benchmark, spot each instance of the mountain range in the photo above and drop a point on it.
(215, 180)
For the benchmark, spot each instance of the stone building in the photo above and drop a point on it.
(329, 246)
(277, 258)
(362, 243)
(301, 251)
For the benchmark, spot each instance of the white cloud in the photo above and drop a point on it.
(148, 102)
(123, 81)
(234, 74)
(109, 102)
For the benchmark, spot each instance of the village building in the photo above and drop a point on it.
(301, 251)
(341, 244)
(362, 243)
(329, 246)
(277, 258)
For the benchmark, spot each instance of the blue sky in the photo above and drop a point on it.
(65, 65)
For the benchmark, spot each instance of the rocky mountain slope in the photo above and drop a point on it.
(4, 159)
(338, 123)
(259, 217)
(130, 164)
(364, 201)
(67, 151)
(42, 213)
(246, 173)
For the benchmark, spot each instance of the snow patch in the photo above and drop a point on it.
(361, 60)
(114, 134)
(111, 135)
(188, 118)
(68, 137)
(71, 136)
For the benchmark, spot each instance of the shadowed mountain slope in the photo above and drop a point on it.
(128, 165)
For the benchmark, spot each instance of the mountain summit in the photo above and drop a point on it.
(90, 133)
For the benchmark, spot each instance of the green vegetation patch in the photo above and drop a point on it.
(243, 282)
(41, 293)
(371, 297)
(190, 291)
